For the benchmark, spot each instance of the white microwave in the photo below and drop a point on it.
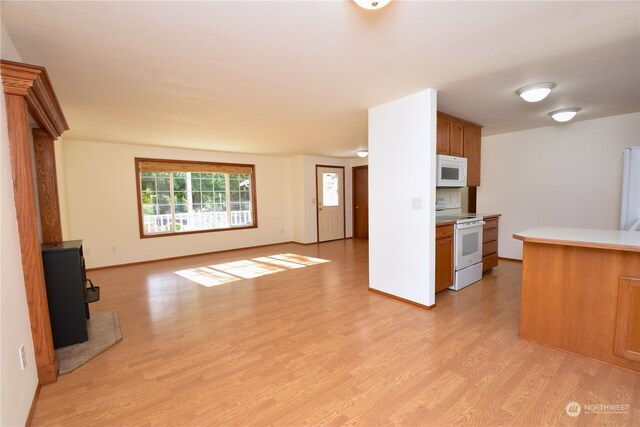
(451, 171)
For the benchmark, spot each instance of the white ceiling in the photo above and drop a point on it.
(297, 77)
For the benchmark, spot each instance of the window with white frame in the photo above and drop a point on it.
(176, 197)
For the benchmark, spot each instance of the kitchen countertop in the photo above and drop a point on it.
(583, 237)
(440, 221)
(449, 220)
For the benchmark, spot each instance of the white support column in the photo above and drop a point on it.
(402, 149)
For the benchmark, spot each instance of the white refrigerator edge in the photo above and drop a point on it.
(630, 206)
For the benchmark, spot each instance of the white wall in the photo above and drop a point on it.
(298, 200)
(97, 193)
(359, 161)
(304, 196)
(103, 207)
(567, 175)
(402, 137)
(17, 387)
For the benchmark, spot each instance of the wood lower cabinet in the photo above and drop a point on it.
(582, 299)
(490, 242)
(444, 256)
(627, 338)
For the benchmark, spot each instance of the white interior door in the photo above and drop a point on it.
(330, 203)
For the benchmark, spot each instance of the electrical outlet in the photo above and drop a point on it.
(87, 251)
(282, 231)
(23, 357)
(114, 249)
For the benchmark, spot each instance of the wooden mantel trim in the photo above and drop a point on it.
(47, 179)
(27, 89)
(32, 269)
(32, 82)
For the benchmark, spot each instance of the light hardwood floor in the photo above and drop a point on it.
(313, 346)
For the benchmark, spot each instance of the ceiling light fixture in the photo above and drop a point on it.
(535, 92)
(564, 114)
(362, 153)
(372, 4)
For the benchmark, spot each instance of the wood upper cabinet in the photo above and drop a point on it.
(456, 143)
(471, 136)
(442, 133)
(449, 137)
(444, 257)
(460, 138)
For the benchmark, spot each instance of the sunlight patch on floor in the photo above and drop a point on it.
(278, 262)
(207, 276)
(247, 269)
(300, 259)
(219, 274)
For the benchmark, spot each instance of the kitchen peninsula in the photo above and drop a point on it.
(581, 292)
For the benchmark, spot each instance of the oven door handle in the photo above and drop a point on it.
(466, 226)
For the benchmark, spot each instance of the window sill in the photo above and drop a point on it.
(181, 233)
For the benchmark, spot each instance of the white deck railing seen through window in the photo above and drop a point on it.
(195, 221)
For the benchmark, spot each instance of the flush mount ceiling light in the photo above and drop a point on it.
(535, 92)
(372, 4)
(564, 114)
(362, 153)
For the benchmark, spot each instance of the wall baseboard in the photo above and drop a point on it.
(326, 241)
(33, 406)
(509, 259)
(417, 304)
(578, 354)
(48, 374)
(128, 264)
(191, 255)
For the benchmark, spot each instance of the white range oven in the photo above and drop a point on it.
(467, 259)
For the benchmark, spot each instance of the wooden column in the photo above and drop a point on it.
(20, 152)
(47, 186)
(27, 89)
